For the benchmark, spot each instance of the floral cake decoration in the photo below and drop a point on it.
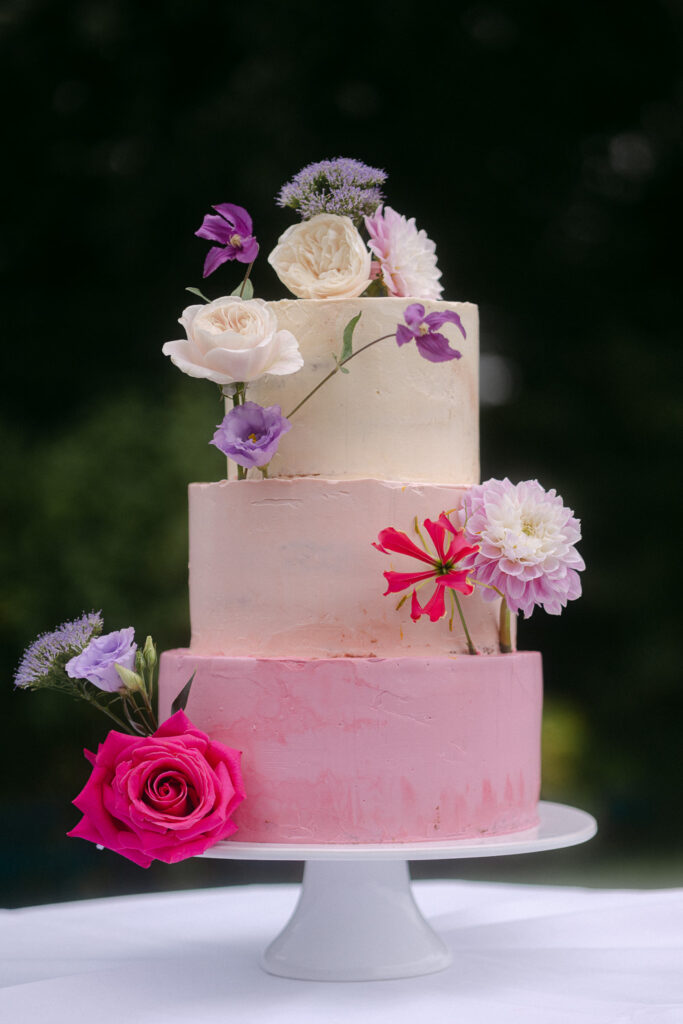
(514, 541)
(347, 244)
(167, 792)
(156, 792)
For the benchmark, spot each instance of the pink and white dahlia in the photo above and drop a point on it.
(403, 256)
(526, 540)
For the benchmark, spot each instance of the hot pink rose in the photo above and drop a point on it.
(163, 797)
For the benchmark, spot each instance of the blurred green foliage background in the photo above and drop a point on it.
(539, 146)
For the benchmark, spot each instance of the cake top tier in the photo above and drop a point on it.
(394, 415)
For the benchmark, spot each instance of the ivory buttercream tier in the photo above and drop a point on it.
(286, 568)
(371, 750)
(395, 415)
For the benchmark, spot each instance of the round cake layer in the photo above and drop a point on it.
(394, 415)
(286, 568)
(369, 750)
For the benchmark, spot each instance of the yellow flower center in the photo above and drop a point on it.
(252, 437)
(236, 241)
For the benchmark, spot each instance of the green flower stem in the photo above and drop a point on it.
(137, 715)
(470, 646)
(505, 631)
(336, 370)
(239, 398)
(150, 714)
(90, 699)
(246, 278)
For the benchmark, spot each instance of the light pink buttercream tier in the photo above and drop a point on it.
(285, 568)
(369, 750)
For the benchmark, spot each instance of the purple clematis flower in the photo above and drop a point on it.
(232, 228)
(423, 329)
(250, 434)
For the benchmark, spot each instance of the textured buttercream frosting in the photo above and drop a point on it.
(365, 750)
(394, 415)
(286, 568)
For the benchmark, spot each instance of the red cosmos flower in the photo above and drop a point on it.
(443, 568)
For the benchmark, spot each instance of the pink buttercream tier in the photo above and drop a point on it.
(370, 750)
(286, 569)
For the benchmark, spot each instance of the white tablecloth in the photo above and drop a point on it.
(531, 954)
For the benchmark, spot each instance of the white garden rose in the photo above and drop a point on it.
(233, 339)
(322, 258)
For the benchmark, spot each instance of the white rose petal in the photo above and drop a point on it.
(231, 340)
(321, 258)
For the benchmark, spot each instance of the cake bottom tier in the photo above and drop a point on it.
(372, 750)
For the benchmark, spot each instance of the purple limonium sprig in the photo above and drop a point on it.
(343, 186)
(424, 331)
(232, 228)
(250, 434)
(97, 662)
(42, 664)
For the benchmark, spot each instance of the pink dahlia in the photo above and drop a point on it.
(403, 256)
(526, 540)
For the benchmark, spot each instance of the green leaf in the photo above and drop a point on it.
(196, 291)
(376, 288)
(347, 344)
(180, 703)
(248, 292)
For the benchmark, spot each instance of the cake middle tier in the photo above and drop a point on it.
(286, 568)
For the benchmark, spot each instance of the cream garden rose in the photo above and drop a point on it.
(322, 258)
(233, 340)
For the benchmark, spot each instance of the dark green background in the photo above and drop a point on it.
(539, 145)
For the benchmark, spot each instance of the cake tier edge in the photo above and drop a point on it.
(372, 750)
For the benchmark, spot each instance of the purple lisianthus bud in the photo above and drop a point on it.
(250, 434)
(97, 661)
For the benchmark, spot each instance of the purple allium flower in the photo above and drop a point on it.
(42, 657)
(526, 542)
(250, 434)
(232, 228)
(97, 661)
(423, 329)
(343, 186)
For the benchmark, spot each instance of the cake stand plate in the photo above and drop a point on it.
(356, 919)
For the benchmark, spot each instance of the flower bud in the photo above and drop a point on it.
(131, 680)
(150, 653)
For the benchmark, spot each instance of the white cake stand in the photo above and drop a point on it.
(356, 919)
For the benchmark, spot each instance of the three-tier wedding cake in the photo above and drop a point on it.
(357, 724)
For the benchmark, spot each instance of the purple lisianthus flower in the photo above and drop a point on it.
(423, 330)
(232, 228)
(97, 662)
(250, 434)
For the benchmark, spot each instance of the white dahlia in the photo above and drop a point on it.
(526, 540)
(402, 255)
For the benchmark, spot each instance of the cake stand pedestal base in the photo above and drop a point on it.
(356, 919)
